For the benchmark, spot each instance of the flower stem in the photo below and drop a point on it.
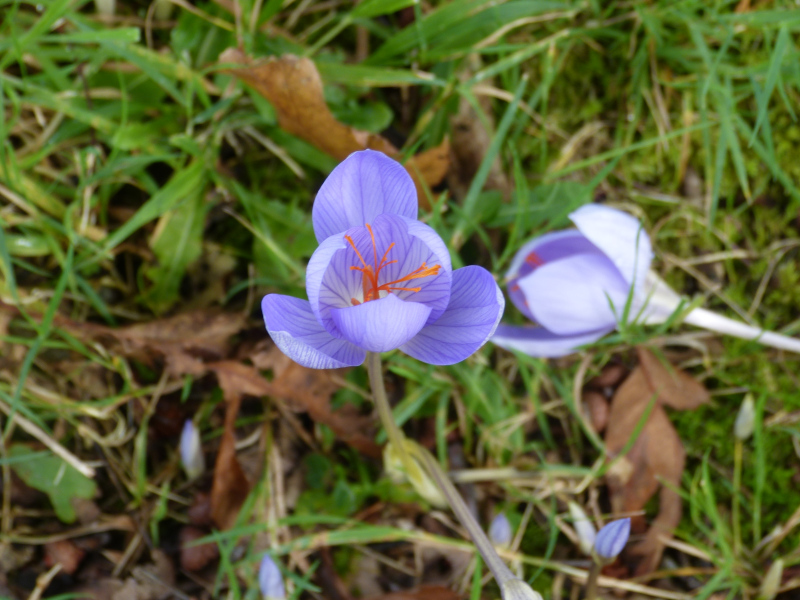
(381, 400)
(496, 565)
(591, 581)
(714, 322)
(737, 484)
(414, 457)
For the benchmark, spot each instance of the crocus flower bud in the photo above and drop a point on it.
(192, 458)
(500, 531)
(270, 580)
(745, 420)
(612, 538)
(772, 581)
(583, 527)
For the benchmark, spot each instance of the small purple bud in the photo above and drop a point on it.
(192, 451)
(612, 538)
(500, 530)
(270, 580)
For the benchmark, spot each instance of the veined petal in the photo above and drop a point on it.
(549, 248)
(620, 236)
(538, 341)
(476, 305)
(366, 184)
(546, 248)
(296, 331)
(571, 296)
(381, 325)
(427, 235)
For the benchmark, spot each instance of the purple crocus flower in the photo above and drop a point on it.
(575, 283)
(380, 279)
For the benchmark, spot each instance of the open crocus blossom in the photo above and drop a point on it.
(578, 284)
(380, 279)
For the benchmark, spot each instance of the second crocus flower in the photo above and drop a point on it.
(579, 284)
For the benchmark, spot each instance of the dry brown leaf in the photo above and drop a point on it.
(424, 592)
(656, 457)
(196, 557)
(677, 389)
(310, 390)
(294, 88)
(230, 485)
(65, 553)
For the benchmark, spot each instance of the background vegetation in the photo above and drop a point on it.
(141, 180)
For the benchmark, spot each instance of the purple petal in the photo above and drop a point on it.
(500, 530)
(476, 305)
(365, 185)
(270, 580)
(332, 283)
(620, 236)
(538, 341)
(612, 538)
(571, 296)
(546, 248)
(296, 331)
(381, 325)
(549, 247)
(431, 239)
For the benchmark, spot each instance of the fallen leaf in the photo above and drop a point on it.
(656, 458)
(65, 553)
(424, 592)
(230, 486)
(294, 88)
(310, 390)
(677, 389)
(198, 556)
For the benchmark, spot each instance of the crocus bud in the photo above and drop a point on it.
(772, 581)
(270, 580)
(192, 458)
(745, 420)
(500, 531)
(410, 470)
(583, 527)
(612, 538)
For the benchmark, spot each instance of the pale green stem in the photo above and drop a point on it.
(393, 432)
(591, 580)
(496, 565)
(737, 483)
(512, 587)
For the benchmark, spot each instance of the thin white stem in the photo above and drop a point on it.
(661, 301)
(714, 322)
(496, 565)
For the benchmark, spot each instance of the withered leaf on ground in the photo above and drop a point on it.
(294, 88)
(230, 485)
(310, 390)
(656, 457)
(424, 592)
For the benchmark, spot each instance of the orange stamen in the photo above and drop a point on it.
(369, 282)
